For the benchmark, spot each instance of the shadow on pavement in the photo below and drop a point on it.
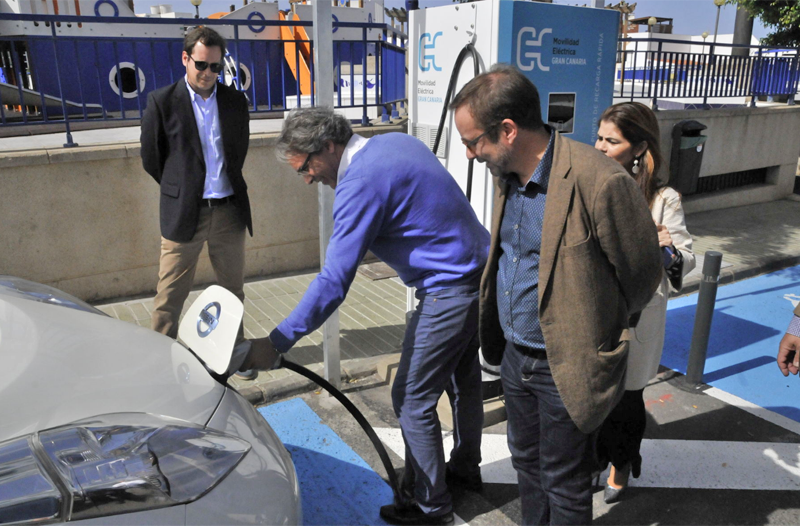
(701, 506)
(729, 334)
(354, 343)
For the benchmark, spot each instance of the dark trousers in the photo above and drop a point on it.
(440, 352)
(551, 455)
(620, 436)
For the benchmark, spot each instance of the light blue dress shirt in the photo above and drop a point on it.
(521, 242)
(206, 114)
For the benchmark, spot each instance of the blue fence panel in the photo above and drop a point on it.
(657, 68)
(775, 76)
(109, 78)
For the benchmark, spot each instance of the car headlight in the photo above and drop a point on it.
(112, 464)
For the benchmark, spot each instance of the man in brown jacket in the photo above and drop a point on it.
(574, 253)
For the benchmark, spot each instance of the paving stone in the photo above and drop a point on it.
(254, 310)
(274, 290)
(108, 309)
(355, 345)
(261, 289)
(140, 312)
(285, 287)
(124, 313)
(298, 285)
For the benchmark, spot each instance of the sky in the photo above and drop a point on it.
(690, 17)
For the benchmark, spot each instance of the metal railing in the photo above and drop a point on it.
(660, 68)
(88, 78)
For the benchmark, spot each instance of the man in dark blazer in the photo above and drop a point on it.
(574, 253)
(195, 135)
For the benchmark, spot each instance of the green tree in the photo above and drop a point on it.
(781, 17)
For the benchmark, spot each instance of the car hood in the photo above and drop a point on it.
(59, 364)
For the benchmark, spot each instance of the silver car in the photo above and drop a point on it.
(104, 422)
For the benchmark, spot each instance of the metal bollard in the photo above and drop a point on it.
(702, 320)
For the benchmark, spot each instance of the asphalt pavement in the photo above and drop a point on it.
(727, 452)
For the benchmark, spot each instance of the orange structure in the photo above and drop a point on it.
(297, 52)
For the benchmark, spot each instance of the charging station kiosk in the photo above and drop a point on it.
(569, 53)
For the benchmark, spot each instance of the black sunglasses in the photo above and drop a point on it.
(202, 65)
(303, 170)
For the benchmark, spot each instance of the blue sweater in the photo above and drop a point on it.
(397, 200)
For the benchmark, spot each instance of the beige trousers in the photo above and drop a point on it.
(223, 230)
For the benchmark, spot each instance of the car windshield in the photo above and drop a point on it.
(23, 288)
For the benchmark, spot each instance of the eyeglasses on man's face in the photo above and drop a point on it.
(303, 170)
(472, 144)
(202, 65)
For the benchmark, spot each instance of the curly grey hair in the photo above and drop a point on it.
(306, 130)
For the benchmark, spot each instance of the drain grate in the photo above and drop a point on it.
(715, 183)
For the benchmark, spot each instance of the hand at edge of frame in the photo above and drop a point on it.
(789, 354)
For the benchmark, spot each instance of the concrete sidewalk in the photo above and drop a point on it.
(753, 239)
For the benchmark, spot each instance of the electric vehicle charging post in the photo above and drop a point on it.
(568, 52)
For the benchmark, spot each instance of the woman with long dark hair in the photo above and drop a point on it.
(629, 134)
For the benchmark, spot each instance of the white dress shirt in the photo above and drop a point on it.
(206, 114)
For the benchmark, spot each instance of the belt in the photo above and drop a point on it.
(211, 203)
(538, 354)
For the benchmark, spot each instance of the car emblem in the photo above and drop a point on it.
(207, 319)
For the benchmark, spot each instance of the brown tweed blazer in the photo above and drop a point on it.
(600, 263)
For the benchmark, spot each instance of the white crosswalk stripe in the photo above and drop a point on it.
(699, 464)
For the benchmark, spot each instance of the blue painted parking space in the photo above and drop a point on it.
(337, 486)
(750, 318)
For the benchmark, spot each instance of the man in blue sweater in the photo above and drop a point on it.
(394, 197)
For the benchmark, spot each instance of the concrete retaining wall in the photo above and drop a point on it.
(741, 139)
(85, 220)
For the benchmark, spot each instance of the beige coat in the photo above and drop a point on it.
(647, 339)
(599, 263)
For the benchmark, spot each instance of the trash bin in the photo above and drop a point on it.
(686, 156)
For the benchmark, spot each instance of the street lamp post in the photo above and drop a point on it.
(196, 4)
(626, 12)
(650, 23)
(719, 4)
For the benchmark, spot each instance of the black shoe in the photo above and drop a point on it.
(412, 514)
(469, 483)
(612, 494)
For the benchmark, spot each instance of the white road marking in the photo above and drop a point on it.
(700, 464)
(753, 409)
(793, 298)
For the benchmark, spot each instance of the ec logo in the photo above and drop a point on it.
(528, 60)
(426, 62)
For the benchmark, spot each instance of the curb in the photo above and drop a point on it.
(733, 274)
